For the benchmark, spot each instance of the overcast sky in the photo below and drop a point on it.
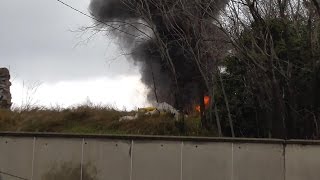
(41, 44)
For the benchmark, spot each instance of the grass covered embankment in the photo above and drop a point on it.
(94, 120)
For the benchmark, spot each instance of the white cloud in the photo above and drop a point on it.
(40, 40)
(37, 45)
(122, 92)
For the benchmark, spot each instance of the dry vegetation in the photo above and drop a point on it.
(87, 119)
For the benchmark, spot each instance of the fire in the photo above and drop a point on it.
(198, 108)
(206, 101)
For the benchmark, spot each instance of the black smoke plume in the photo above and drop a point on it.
(130, 20)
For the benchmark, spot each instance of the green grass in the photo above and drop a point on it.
(95, 120)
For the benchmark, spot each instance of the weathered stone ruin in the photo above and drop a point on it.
(5, 95)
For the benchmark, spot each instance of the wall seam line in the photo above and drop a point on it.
(284, 162)
(232, 161)
(181, 160)
(131, 160)
(33, 156)
(81, 164)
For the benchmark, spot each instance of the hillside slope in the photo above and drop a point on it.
(95, 120)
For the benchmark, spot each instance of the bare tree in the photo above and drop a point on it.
(189, 44)
(189, 40)
(249, 24)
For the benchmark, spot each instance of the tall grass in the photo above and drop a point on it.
(92, 119)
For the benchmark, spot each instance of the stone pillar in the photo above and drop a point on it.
(5, 95)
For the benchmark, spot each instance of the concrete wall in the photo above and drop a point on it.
(74, 157)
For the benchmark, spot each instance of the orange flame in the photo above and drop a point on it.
(206, 101)
(198, 108)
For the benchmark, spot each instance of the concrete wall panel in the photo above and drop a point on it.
(258, 162)
(75, 158)
(16, 157)
(57, 158)
(156, 160)
(302, 162)
(207, 161)
(107, 159)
